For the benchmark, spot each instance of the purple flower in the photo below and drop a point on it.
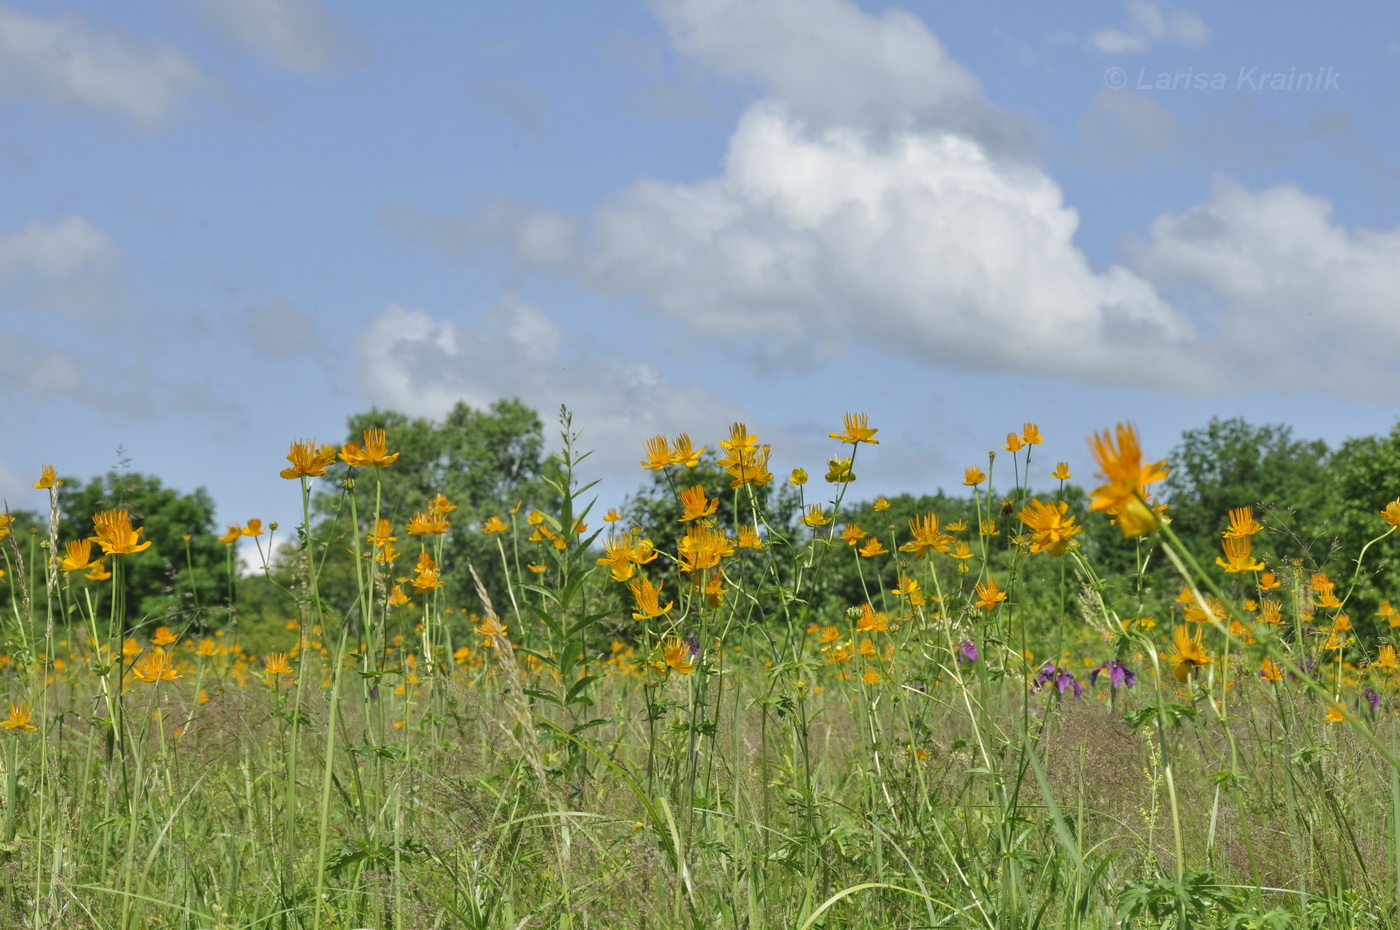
(1061, 678)
(693, 641)
(967, 652)
(1373, 698)
(1119, 675)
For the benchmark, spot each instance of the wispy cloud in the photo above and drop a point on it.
(1150, 24)
(298, 35)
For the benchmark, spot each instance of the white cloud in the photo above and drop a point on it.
(422, 365)
(1148, 24)
(1297, 300)
(831, 63)
(65, 62)
(280, 328)
(57, 250)
(299, 35)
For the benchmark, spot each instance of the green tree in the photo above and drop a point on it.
(176, 582)
(1233, 463)
(485, 462)
(1364, 476)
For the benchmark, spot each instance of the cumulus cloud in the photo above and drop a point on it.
(65, 62)
(299, 35)
(68, 266)
(420, 364)
(1149, 24)
(1297, 300)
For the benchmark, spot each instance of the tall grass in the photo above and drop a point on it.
(572, 752)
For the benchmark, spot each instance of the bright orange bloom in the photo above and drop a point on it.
(745, 460)
(308, 459)
(1052, 525)
(48, 479)
(163, 636)
(425, 575)
(749, 538)
(814, 516)
(79, 558)
(115, 535)
(648, 600)
(1270, 670)
(6, 521)
(440, 505)
(857, 429)
(1268, 581)
(494, 524)
(374, 452)
(989, 596)
(1391, 513)
(1242, 523)
(396, 596)
(383, 534)
(1125, 477)
(702, 547)
(973, 476)
(232, 535)
(871, 622)
(254, 528)
(696, 505)
(1030, 434)
(1237, 556)
(880, 503)
(1013, 443)
(1061, 472)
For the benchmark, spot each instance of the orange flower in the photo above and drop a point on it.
(494, 525)
(989, 596)
(872, 548)
(696, 505)
(973, 476)
(1013, 443)
(1061, 472)
(276, 664)
(926, 536)
(1237, 556)
(1052, 525)
(79, 558)
(648, 600)
(427, 524)
(156, 665)
(683, 453)
(1391, 513)
(1242, 523)
(658, 452)
(308, 459)
(1030, 434)
(374, 452)
(18, 719)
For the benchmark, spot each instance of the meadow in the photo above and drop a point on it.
(661, 725)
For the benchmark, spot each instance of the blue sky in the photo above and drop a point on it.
(228, 224)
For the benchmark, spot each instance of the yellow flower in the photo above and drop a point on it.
(815, 517)
(276, 664)
(658, 452)
(682, 452)
(1334, 714)
(1190, 654)
(308, 459)
(1125, 477)
(880, 503)
(612, 516)
(1061, 472)
(1242, 523)
(208, 649)
(427, 524)
(749, 538)
(973, 476)
(254, 528)
(6, 521)
(872, 548)
(1237, 556)
(18, 719)
(1269, 670)
(115, 535)
(383, 534)
(440, 505)
(677, 655)
(857, 429)
(164, 637)
(48, 479)
(852, 533)
(396, 596)
(232, 535)
(79, 558)
(926, 536)
(1013, 443)
(495, 525)
(156, 665)
(702, 547)
(838, 471)
(1391, 513)
(426, 577)
(696, 505)
(537, 569)
(648, 600)
(1268, 581)
(1030, 434)
(491, 626)
(798, 477)
(1052, 525)
(745, 460)
(374, 452)
(989, 596)
(871, 622)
